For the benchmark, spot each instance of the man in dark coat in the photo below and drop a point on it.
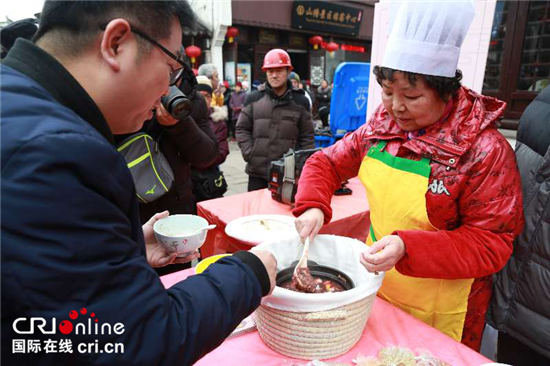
(275, 118)
(184, 142)
(73, 247)
(520, 306)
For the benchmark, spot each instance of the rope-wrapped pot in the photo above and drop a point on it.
(318, 326)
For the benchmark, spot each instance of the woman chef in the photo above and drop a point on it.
(442, 183)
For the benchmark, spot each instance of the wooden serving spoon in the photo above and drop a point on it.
(304, 279)
(303, 260)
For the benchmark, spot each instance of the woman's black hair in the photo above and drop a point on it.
(444, 86)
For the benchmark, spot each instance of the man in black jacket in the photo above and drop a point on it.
(520, 306)
(184, 142)
(77, 283)
(274, 119)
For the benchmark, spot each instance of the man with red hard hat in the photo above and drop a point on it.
(274, 118)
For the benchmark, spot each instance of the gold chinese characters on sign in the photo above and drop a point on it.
(326, 16)
(322, 16)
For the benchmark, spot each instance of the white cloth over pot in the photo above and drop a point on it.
(329, 250)
(426, 36)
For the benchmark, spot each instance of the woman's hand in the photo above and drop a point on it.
(164, 117)
(309, 223)
(157, 255)
(383, 254)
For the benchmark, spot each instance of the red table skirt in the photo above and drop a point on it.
(350, 216)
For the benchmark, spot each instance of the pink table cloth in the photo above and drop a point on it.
(387, 325)
(350, 216)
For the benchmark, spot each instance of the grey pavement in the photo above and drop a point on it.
(233, 170)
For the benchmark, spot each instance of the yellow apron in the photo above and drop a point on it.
(396, 191)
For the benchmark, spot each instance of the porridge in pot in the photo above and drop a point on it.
(310, 284)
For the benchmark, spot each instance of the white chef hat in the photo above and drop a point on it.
(426, 36)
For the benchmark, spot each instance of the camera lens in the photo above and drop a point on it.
(180, 108)
(176, 103)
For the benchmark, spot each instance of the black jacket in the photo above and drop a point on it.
(269, 125)
(324, 95)
(189, 142)
(520, 306)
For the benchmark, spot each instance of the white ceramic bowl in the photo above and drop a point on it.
(175, 233)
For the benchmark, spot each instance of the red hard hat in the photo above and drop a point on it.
(276, 58)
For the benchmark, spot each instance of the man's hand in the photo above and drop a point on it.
(382, 255)
(309, 223)
(157, 255)
(270, 264)
(164, 117)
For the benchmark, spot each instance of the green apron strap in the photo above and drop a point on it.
(372, 236)
(425, 160)
(381, 145)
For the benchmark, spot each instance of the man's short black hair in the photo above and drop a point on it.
(443, 85)
(80, 21)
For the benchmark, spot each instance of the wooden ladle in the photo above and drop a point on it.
(304, 280)
(303, 260)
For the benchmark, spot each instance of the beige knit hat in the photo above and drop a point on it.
(204, 84)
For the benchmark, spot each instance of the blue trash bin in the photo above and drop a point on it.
(322, 141)
(348, 105)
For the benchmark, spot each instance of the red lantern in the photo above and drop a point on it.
(193, 51)
(232, 32)
(316, 41)
(331, 47)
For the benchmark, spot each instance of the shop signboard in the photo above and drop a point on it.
(266, 36)
(297, 40)
(327, 17)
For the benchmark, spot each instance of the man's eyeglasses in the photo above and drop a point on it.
(175, 75)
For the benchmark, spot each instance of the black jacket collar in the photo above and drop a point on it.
(269, 90)
(40, 66)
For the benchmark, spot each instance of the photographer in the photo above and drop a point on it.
(184, 142)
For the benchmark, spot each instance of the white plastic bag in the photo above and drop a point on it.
(329, 250)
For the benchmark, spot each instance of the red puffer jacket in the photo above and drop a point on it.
(474, 197)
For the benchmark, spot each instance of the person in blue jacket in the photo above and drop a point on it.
(78, 287)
